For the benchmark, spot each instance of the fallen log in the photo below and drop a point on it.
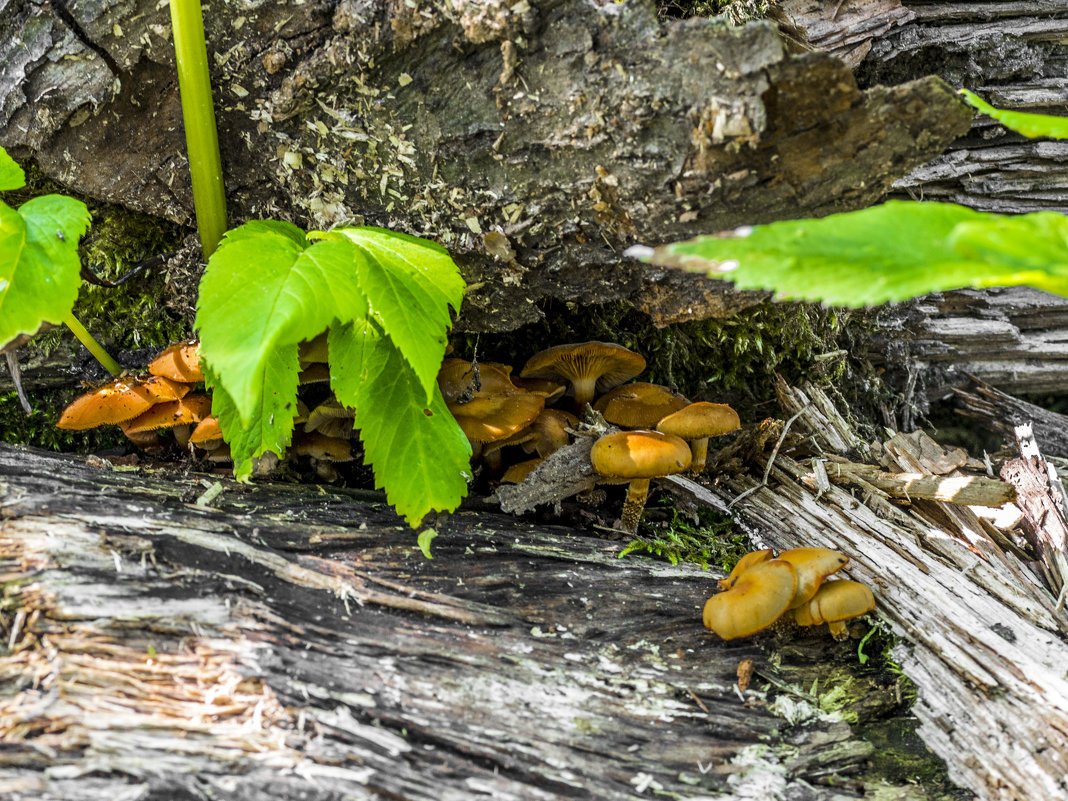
(286, 641)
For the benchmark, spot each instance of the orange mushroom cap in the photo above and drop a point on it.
(190, 409)
(757, 599)
(318, 446)
(517, 473)
(639, 405)
(589, 366)
(835, 601)
(550, 431)
(639, 454)
(812, 565)
(180, 362)
(749, 560)
(492, 417)
(700, 420)
(117, 401)
(206, 433)
(456, 379)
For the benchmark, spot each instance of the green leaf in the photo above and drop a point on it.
(419, 454)
(270, 426)
(410, 284)
(265, 288)
(1032, 125)
(39, 264)
(11, 174)
(886, 253)
(426, 536)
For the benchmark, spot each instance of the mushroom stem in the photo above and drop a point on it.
(699, 449)
(838, 630)
(637, 492)
(585, 388)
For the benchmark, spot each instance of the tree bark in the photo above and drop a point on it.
(571, 129)
(286, 641)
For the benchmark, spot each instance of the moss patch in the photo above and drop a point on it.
(711, 539)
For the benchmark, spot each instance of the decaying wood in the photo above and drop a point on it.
(966, 490)
(1012, 338)
(1042, 501)
(1010, 52)
(292, 642)
(983, 637)
(571, 129)
(1002, 413)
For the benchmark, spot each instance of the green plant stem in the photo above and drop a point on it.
(201, 138)
(92, 345)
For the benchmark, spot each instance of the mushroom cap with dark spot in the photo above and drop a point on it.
(487, 418)
(639, 405)
(639, 454)
(749, 560)
(609, 364)
(700, 420)
(456, 378)
(180, 362)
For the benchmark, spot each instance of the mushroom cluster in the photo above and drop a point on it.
(762, 589)
(144, 405)
(166, 398)
(665, 433)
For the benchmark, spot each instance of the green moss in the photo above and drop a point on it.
(129, 316)
(712, 539)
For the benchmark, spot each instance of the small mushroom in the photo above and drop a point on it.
(517, 473)
(757, 599)
(207, 435)
(835, 602)
(180, 362)
(552, 390)
(321, 447)
(749, 560)
(459, 381)
(636, 457)
(331, 419)
(812, 565)
(696, 423)
(550, 430)
(118, 401)
(639, 405)
(588, 366)
(488, 418)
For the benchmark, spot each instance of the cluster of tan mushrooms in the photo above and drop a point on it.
(762, 589)
(666, 433)
(500, 413)
(146, 405)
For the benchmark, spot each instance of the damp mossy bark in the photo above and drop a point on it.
(127, 317)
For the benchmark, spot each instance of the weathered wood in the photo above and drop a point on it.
(1002, 413)
(291, 641)
(1015, 339)
(573, 129)
(1011, 52)
(1042, 501)
(983, 639)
